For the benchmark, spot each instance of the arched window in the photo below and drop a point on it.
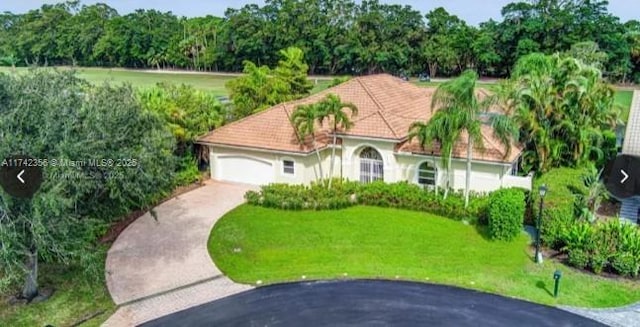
(426, 174)
(371, 166)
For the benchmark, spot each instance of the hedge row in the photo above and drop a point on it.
(402, 195)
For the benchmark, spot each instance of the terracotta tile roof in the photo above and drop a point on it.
(387, 106)
(493, 150)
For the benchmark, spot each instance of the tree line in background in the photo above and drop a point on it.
(337, 36)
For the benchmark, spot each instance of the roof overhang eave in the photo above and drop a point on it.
(258, 149)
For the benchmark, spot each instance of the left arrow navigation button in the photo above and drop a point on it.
(18, 178)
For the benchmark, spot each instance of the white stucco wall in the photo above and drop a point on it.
(351, 164)
(305, 166)
(485, 176)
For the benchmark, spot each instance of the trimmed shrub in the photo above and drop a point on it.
(402, 195)
(506, 213)
(563, 185)
(598, 262)
(626, 264)
(578, 258)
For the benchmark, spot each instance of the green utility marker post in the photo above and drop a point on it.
(556, 276)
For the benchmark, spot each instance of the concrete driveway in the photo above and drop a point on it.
(156, 267)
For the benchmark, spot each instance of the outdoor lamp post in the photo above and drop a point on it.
(543, 191)
(556, 276)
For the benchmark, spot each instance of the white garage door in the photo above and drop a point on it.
(244, 170)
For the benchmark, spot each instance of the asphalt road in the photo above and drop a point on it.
(369, 303)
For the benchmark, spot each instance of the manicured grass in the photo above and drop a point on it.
(208, 82)
(75, 298)
(215, 83)
(254, 243)
(623, 100)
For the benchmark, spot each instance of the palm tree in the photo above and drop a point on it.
(304, 120)
(564, 109)
(331, 108)
(441, 128)
(457, 98)
(505, 127)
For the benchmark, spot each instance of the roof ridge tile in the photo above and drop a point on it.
(378, 104)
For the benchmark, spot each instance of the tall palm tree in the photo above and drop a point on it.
(304, 121)
(457, 98)
(332, 109)
(441, 128)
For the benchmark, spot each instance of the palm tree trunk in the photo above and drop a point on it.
(319, 160)
(448, 186)
(30, 288)
(468, 176)
(333, 157)
(436, 176)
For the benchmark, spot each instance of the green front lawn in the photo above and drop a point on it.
(254, 243)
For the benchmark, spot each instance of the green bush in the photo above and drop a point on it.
(344, 194)
(626, 264)
(187, 171)
(578, 258)
(611, 245)
(578, 236)
(506, 213)
(598, 261)
(563, 185)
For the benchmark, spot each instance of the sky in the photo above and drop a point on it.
(472, 11)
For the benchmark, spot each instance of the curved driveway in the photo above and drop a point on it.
(156, 267)
(370, 303)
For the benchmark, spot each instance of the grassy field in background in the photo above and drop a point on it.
(208, 82)
(253, 243)
(215, 83)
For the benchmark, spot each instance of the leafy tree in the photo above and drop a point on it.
(51, 115)
(304, 120)
(262, 87)
(589, 53)
(484, 48)
(84, 30)
(338, 37)
(332, 110)
(292, 70)
(258, 89)
(189, 113)
(442, 49)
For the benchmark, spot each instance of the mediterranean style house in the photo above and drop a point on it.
(264, 148)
